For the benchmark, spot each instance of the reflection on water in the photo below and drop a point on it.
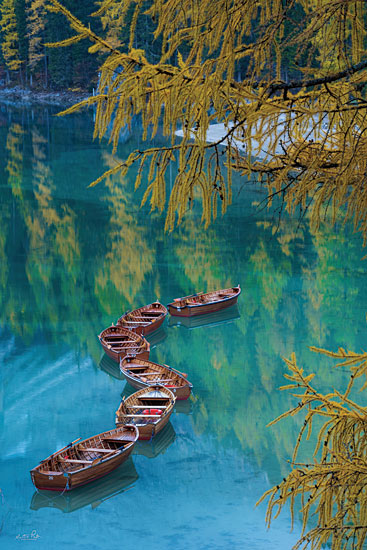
(93, 494)
(158, 445)
(157, 337)
(110, 367)
(72, 259)
(185, 406)
(212, 319)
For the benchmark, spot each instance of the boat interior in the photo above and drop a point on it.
(153, 373)
(141, 404)
(85, 453)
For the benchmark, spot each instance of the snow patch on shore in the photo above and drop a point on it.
(216, 132)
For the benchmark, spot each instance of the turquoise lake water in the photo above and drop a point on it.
(72, 260)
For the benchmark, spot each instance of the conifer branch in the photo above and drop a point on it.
(303, 139)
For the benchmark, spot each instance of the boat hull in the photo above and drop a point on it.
(118, 342)
(144, 320)
(71, 480)
(153, 327)
(148, 431)
(63, 479)
(180, 392)
(156, 402)
(116, 356)
(194, 309)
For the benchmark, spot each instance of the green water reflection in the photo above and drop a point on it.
(73, 259)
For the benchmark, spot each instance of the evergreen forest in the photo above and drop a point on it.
(26, 26)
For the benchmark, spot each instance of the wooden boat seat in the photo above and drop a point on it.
(75, 460)
(157, 416)
(154, 373)
(115, 335)
(94, 449)
(137, 369)
(157, 381)
(136, 322)
(146, 406)
(115, 440)
(121, 341)
(119, 347)
(153, 399)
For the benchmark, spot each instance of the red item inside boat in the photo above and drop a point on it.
(152, 411)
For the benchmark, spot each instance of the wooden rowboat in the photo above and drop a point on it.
(144, 320)
(141, 373)
(81, 462)
(202, 303)
(118, 342)
(148, 409)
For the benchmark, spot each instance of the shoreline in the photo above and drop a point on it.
(18, 96)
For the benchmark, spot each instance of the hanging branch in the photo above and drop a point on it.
(333, 487)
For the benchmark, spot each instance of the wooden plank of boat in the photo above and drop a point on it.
(135, 366)
(131, 349)
(61, 450)
(121, 336)
(150, 315)
(94, 449)
(146, 373)
(158, 392)
(116, 335)
(153, 399)
(121, 341)
(124, 341)
(147, 406)
(142, 415)
(75, 460)
(104, 457)
(144, 323)
(113, 440)
(159, 380)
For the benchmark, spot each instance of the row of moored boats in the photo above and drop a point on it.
(143, 414)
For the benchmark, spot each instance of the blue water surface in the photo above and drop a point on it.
(72, 260)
